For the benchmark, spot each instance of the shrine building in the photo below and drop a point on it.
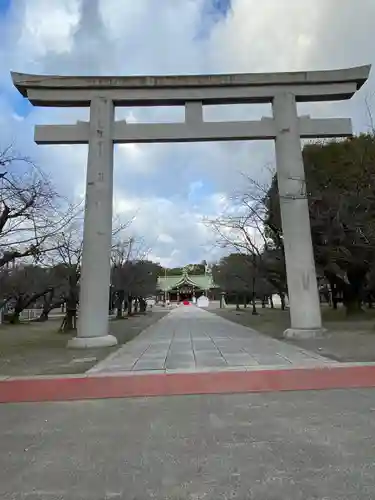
(187, 286)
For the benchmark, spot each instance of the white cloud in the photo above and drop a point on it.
(166, 238)
(170, 187)
(50, 32)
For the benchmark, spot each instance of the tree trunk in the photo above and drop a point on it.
(130, 301)
(237, 303)
(70, 319)
(271, 302)
(353, 304)
(44, 315)
(15, 317)
(142, 305)
(352, 301)
(282, 298)
(22, 303)
(69, 323)
(119, 304)
(334, 298)
(18, 308)
(353, 307)
(254, 312)
(111, 300)
(47, 308)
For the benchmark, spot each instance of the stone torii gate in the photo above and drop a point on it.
(286, 128)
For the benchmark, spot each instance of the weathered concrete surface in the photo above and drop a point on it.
(192, 339)
(138, 133)
(305, 314)
(24, 82)
(93, 323)
(295, 446)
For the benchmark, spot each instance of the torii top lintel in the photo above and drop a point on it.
(53, 90)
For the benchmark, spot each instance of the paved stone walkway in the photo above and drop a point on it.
(190, 339)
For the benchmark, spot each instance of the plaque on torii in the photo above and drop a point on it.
(285, 127)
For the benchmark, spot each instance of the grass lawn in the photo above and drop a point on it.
(348, 338)
(39, 349)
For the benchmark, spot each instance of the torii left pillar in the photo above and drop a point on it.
(93, 318)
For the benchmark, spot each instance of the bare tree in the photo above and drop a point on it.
(31, 211)
(243, 227)
(134, 280)
(24, 285)
(67, 259)
(68, 270)
(123, 277)
(122, 253)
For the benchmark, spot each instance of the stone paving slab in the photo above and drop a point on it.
(192, 339)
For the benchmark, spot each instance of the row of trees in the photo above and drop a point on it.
(41, 248)
(192, 269)
(40, 236)
(133, 278)
(340, 180)
(55, 282)
(243, 280)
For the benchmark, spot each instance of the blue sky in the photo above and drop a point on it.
(20, 105)
(4, 5)
(213, 11)
(172, 188)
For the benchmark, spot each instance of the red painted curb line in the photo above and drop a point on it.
(99, 387)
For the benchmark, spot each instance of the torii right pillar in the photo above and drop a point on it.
(305, 313)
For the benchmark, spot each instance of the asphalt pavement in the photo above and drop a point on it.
(294, 446)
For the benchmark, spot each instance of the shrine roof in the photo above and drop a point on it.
(203, 281)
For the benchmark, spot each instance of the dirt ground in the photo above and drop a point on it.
(39, 349)
(346, 340)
